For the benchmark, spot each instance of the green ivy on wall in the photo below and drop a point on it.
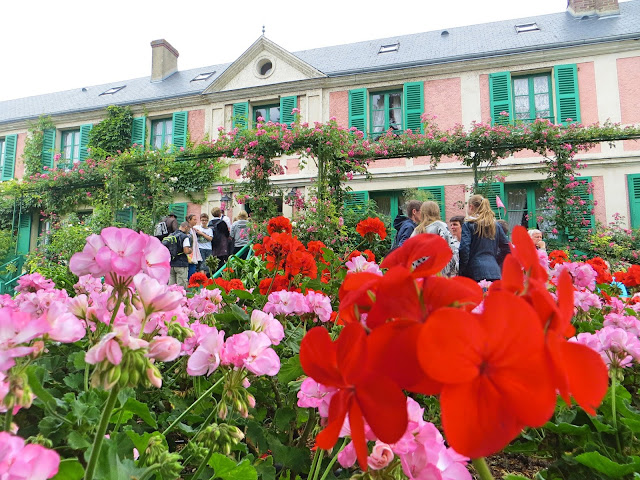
(32, 155)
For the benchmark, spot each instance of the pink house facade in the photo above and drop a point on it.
(449, 75)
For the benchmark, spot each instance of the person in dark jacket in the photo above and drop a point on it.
(483, 244)
(405, 225)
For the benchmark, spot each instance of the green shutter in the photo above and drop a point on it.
(287, 104)
(48, 146)
(125, 216)
(180, 129)
(490, 192)
(584, 192)
(240, 117)
(500, 97)
(413, 99)
(180, 209)
(356, 200)
(634, 199)
(358, 109)
(10, 145)
(437, 194)
(24, 234)
(139, 131)
(567, 96)
(84, 141)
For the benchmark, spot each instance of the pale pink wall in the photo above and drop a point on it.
(629, 88)
(233, 171)
(599, 206)
(443, 98)
(422, 161)
(339, 107)
(293, 166)
(454, 195)
(195, 209)
(485, 107)
(388, 162)
(195, 124)
(19, 170)
(588, 97)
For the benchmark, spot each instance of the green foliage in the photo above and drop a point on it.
(614, 243)
(6, 242)
(113, 134)
(32, 155)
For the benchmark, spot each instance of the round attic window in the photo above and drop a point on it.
(264, 67)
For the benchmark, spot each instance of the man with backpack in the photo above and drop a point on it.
(179, 245)
(166, 226)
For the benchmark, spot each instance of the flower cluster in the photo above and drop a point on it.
(370, 227)
(479, 362)
(313, 305)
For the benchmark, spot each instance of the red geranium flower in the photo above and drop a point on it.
(557, 257)
(301, 262)
(363, 393)
(315, 248)
(198, 279)
(486, 364)
(228, 285)
(602, 269)
(432, 251)
(279, 225)
(371, 226)
(268, 285)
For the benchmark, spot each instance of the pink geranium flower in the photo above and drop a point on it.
(65, 327)
(206, 358)
(154, 296)
(164, 349)
(155, 259)
(16, 329)
(265, 322)
(20, 461)
(34, 282)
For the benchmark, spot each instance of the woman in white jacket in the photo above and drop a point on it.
(431, 223)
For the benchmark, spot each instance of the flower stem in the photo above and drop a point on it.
(333, 460)
(102, 428)
(482, 468)
(315, 467)
(8, 418)
(191, 407)
(203, 465)
(614, 375)
(311, 423)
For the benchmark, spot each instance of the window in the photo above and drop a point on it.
(8, 146)
(202, 76)
(3, 152)
(113, 90)
(269, 113)
(161, 133)
(552, 95)
(277, 112)
(386, 112)
(527, 205)
(532, 97)
(377, 112)
(389, 48)
(70, 146)
(527, 27)
(634, 200)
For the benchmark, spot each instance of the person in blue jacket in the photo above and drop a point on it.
(406, 224)
(483, 244)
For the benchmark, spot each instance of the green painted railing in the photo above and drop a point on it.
(10, 272)
(240, 252)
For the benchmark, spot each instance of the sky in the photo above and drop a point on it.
(49, 46)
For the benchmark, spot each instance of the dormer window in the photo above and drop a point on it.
(527, 27)
(113, 90)
(393, 47)
(203, 76)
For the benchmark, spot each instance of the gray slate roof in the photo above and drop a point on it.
(476, 41)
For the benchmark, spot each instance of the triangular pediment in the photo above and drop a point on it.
(264, 63)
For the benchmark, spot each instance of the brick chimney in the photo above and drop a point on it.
(164, 60)
(601, 8)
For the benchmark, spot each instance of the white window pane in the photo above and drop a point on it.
(157, 142)
(395, 100)
(395, 119)
(378, 121)
(76, 152)
(157, 129)
(259, 112)
(522, 105)
(168, 139)
(541, 84)
(274, 114)
(542, 102)
(169, 127)
(377, 101)
(521, 86)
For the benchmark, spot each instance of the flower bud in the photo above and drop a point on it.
(223, 410)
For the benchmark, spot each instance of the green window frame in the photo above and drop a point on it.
(3, 153)
(8, 150)
(386, 112)
(528, 201)
(70, 146)
(269, 113)
(161, 133)
(532, 97)
(634, 200)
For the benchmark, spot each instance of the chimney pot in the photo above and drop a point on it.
(602, 8)
(164, 60)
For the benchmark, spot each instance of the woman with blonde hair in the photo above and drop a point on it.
(483, 244)
(431, 223)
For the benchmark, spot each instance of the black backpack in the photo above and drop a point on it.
(220, 231)
(174, 244)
